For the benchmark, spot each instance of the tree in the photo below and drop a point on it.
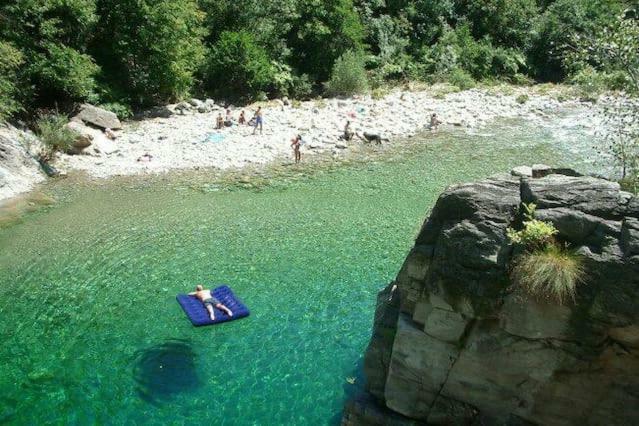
(11, 61)
(52, 37)
(150, 48)
(321, 32)
(554, 30)
(237, 66)
(506, 22)
(616, 48)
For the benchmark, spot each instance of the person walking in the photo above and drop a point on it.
(258, 120)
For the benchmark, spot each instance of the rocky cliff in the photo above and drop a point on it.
(455, 343)
(19, 171)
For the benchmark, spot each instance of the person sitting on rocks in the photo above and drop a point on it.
(209, 301)
(434, 122)
(145, 158)
(242, 119)
(109, 134)
(228, 122)
(348, 133)
(219, 121)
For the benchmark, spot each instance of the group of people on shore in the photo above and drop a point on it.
(257, 122)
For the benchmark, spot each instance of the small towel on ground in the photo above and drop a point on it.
(198, 314)
(214, 137)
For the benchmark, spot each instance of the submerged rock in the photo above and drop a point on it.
(454, 343)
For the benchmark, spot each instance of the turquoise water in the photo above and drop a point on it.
(91, 332)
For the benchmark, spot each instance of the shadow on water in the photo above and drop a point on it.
(354, 385)
(165, 370)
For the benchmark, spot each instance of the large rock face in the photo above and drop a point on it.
(19, 171)
(455, 343)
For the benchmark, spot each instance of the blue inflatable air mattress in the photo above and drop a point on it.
(198, 314)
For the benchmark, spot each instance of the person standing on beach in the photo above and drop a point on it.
(258, 120)
(296, 142)
(241, 120)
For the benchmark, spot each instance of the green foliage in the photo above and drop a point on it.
(630, 184)
(151, 49)
(545, 271)
(71, 73)
(237, 66)
(551, 274)
(457, 49)
(462, 79)
(54, 135)
(321, 33)
(123, 111)
(535, 234)
(11, 61)
(348, 76)
(611, 49)
(556, 27)
(621, 134)
(51, 36)
(135, 53)
(506, 22)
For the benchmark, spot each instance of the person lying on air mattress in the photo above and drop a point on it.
(209, 301)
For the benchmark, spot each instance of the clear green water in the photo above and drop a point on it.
(91, 332)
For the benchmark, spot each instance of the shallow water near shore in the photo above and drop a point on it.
(91, 331)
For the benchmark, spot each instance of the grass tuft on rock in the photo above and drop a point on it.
(55, 135)
(551, 274)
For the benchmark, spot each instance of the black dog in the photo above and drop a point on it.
(374, 137)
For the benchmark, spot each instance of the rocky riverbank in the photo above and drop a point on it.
(183, 136)
(454, 342)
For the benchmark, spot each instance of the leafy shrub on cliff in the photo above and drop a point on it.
(54, 135)
(550, 274)
(545, 270)
(535, 234)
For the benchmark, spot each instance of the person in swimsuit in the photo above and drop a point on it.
(219, 121)
(209, 301)
(258, 120)
(296, 142)
(242, 120)
(434, 122)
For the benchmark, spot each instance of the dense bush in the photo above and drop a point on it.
(11, 60)
(238, 67)
(150, 49)
(54, 135)
(461, 79)
(321, 33)
(554, 30)
(52, 38)
(348, 76)
(506, 22)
